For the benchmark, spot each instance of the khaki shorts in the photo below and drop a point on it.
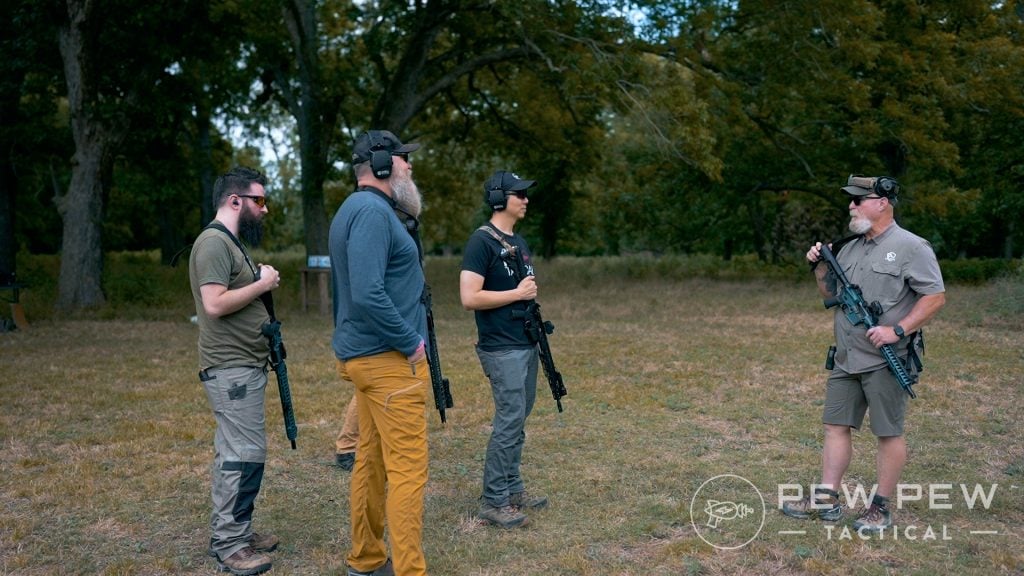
(849, 396)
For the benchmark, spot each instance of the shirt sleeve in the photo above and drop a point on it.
(213, 261)
(476, 258)
(923, 273)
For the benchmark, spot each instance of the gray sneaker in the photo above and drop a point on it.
(825, 506)
(505, 516)
(524, 499)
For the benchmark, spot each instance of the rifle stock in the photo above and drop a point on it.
(858, 311)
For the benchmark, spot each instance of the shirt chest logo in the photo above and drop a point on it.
(890, 257)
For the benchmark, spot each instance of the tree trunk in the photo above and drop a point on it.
(313, 124)
(1011, 228)
(204, 149)
(81, 208)
(8, 250)
(9, 101)
(81, 262)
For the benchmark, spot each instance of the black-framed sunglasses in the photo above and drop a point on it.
(858, 199)
(260, 201)
(402, 155)
(521, 194)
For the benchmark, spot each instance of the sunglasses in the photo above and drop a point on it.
(260, 201)
(858, 199)
(521, 194)
(402, 155)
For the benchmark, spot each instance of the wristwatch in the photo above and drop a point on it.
(899, 331)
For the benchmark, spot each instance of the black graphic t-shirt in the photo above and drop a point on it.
(498, 328)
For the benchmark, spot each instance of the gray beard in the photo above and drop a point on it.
(407, 195)
(250, 228)
(859, 225)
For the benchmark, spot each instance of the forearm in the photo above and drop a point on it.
(922, 312)
(488, 299)
(219, 301)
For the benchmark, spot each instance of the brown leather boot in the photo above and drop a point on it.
(246, 562)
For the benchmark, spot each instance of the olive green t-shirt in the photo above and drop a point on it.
(234, 339)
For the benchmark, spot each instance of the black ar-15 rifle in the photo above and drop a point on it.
(272, 330)
(537, 330)
(440, 385)
(858, 311)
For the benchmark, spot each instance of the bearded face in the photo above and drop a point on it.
(250, 224)
(407, 194)
(858, 224)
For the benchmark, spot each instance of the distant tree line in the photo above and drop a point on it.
(707, 126)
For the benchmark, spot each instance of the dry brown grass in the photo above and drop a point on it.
(106, 438)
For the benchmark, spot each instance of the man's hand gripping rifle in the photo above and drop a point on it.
(858, 311)
(442, 390)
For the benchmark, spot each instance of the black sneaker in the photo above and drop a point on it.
(345, 461)
(385, 570)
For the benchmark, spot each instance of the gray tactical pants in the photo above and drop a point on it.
(513, 376)
(236, 397)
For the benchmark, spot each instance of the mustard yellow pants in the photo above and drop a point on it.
(348, 438)
(391, 398)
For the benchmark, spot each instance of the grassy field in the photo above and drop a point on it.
(107, 437)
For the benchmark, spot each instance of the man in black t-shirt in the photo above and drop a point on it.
(497, 282)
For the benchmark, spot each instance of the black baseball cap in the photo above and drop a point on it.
(507, 182)
(372, 140)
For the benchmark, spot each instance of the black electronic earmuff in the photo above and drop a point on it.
(887, 187)
(380, 157)
(495, 196)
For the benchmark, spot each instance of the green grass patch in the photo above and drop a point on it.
(674, 376)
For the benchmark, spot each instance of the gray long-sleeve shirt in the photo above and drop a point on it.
(378, 280)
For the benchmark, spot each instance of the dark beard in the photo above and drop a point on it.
(250, 229)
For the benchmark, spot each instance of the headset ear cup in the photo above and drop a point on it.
(380, 163)
(887, 187)
(496, 199)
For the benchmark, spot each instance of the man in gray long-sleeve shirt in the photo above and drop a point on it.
(380, 325)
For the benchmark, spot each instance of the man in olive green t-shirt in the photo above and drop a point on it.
(233, 355)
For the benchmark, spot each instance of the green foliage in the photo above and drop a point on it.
(139, 286)
(980, 270)
(709, 127)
